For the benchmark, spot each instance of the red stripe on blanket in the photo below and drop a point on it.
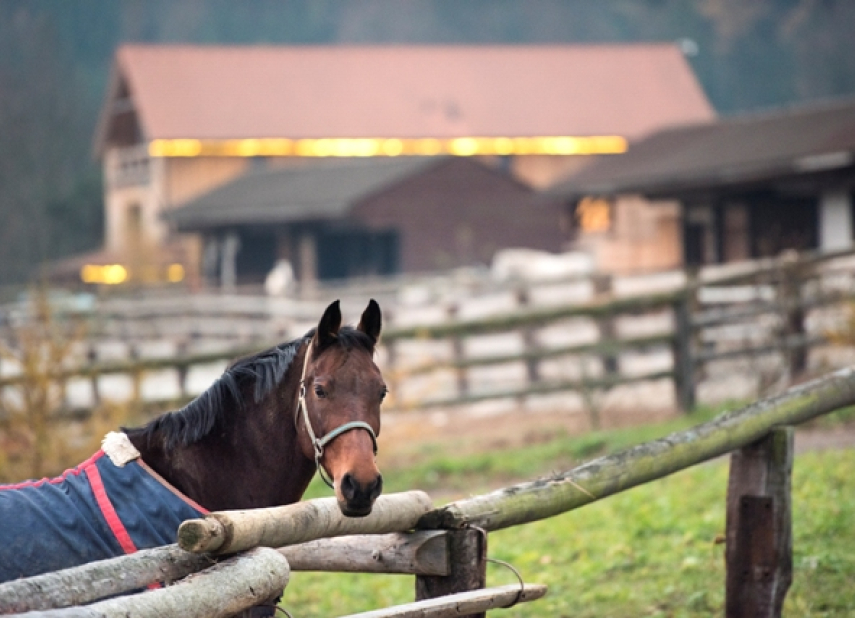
(107, 508)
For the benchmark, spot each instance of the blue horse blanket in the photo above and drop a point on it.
(95, 511)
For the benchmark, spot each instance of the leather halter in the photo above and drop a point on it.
(318, 444)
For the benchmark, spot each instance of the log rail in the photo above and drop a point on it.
(448, 554)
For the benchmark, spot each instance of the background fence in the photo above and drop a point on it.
(725, 332)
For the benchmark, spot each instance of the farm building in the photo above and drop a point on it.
(745, 187)
(180, 121)
(342, 218)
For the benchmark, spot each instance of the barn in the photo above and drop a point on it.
(748, 186)
(345, 218)
(180, 121)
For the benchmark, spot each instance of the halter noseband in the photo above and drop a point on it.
(318, 444)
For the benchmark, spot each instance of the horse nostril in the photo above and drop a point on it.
(376, 488)
(348, 487)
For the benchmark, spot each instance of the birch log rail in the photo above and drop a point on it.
(233, 531)
(527, 502)
(223, 590)
(461, 604)
(412, 553)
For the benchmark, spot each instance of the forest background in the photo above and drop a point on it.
(55, 58)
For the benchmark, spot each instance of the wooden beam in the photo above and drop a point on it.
(759, 551)
(249, 579)
(614, 473)
(467, 550)
(460, 604)
(233, 531)
(410, 553)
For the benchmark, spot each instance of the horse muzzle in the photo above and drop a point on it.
(356, 497)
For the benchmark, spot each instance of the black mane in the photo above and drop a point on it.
(263, 371)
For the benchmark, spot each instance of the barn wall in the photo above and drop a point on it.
(460, 213)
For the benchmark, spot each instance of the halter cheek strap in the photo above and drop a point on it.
(318, 444)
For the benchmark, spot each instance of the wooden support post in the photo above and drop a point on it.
(606, 324)
(182, 368)
(759, 527)
(530, 343)
(92, 359)
(467, 551)
(458, 353)
(684, 362)
(793, 328)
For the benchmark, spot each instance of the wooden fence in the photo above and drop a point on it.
(764, 320)
(448, 551)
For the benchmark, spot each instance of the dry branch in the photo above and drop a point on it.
(611, 474)
(460, 604)
(233, 531)
(225, 589)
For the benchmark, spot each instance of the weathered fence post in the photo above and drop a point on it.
(759, 527)
(606, 324)
(684, 362)
(458, 352)
(92, 359)
(793, 328)
(529, 340)
(467, 551)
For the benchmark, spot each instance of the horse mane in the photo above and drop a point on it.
(263, 371)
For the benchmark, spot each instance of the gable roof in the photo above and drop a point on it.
(733, 151)
(322, 190)
(234, 92)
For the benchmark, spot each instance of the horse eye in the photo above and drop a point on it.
(319, 391)
(383, 393)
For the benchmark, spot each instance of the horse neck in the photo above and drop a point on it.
(255, 462)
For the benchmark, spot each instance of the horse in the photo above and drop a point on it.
(254, 439)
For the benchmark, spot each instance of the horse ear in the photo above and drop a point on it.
(371, 321)
(329, 325)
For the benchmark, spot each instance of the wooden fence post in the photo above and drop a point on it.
(606, 324)
(458, 353)
(759, 552)
(793, 328)
(92, 359)
(529, 338)
(684, 363)
(467, 552)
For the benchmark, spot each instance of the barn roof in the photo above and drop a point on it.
(239, 92)
(322, 190)
(738, 150)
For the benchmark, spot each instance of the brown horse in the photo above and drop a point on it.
(250, 440)
(254, 439)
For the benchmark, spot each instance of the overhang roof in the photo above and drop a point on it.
(235, 92)
(317, 191)
(734, 151)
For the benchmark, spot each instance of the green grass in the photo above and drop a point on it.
(651, 551)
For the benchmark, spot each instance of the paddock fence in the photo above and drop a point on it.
(720, 333)
(446, 548)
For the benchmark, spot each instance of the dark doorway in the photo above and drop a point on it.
(256, 256)
(357, 253)
(778, 224)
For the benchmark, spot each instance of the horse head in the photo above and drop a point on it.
(338, 407)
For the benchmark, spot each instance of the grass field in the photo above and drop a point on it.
(652, 551)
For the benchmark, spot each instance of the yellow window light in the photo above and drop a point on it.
(109, 274)
(390, 147)
(175, 273)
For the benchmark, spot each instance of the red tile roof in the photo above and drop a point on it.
(216, 92)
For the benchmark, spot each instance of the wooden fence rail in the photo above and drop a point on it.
(759, 538)
(773, 309)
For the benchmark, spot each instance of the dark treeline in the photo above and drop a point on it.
(55, 57)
